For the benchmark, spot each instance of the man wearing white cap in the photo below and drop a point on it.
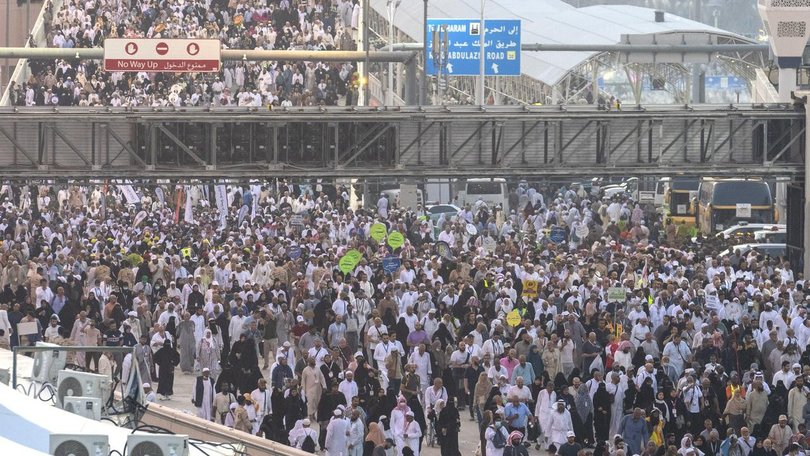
(337, 432)
(133, 323)
(147, 391)
(203, 395)
(348, 386)
(412, 433)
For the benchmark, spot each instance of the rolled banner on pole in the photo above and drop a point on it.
(221, 195)
(242, 213)
(256, 190)
(189, 215)
(139, 219)
(177, 202)
(160, 196)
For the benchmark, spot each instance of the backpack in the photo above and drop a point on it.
(308, 445)
(498, 440)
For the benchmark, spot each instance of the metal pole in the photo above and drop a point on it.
(7, 73)
(479, 96)
(806, 243)
(423, 82)
(366, 92)
(392, 9)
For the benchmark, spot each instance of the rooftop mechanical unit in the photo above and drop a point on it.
(157, 445)
(79, 445)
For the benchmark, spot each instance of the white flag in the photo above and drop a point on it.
(130, 194)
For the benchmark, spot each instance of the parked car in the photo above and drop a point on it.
(771, 250)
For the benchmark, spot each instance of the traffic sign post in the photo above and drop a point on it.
(161, 55)
(502, 47)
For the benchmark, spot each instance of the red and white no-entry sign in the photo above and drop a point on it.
(161, 55)
(162, 48)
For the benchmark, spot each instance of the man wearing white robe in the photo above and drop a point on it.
(412, 433)
(261, 401)
(337, 441)
(203, 395)
(542, 411)
(559, 425)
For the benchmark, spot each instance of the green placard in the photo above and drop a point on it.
(378, 232)
(355, 255)
(346, 264)
(396, 239)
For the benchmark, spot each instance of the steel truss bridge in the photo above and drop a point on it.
(145, 144)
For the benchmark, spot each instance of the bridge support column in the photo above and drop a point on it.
(806, 225)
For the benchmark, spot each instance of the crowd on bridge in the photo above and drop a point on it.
(568, 322)
(252, 24)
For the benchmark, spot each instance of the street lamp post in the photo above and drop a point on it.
(392, 11)
(481, 62)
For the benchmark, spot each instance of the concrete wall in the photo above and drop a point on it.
(198, 428)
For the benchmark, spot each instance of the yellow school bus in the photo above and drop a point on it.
(721, 203)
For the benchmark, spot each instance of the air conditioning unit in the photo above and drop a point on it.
(47, 364)
(88, 407)
(79, 445)
(157, 445)
(83, 384)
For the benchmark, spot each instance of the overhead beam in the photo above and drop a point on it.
(252, 55)
(252, 171)
(666, 48)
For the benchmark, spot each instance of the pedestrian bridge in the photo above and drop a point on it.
(408, 142)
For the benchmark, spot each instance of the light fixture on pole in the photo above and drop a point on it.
(392, 11)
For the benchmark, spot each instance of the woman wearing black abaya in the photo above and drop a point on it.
(380, 404)
(646, 395)
(278, 402)
(443, 335)
(402, 331)
(447, 427)
(584, 410)
(602, 405)
(166, 360)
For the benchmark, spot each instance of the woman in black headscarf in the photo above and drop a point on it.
(402, 331)
(443, 335)
(602, 404)
(584, 410)
(380, 404)
(166, 360)
(646, 395)
(447, 427)
(536, 361)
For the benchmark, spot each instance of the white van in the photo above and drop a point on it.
(493, 192)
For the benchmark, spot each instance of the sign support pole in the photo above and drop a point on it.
(482, 60)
